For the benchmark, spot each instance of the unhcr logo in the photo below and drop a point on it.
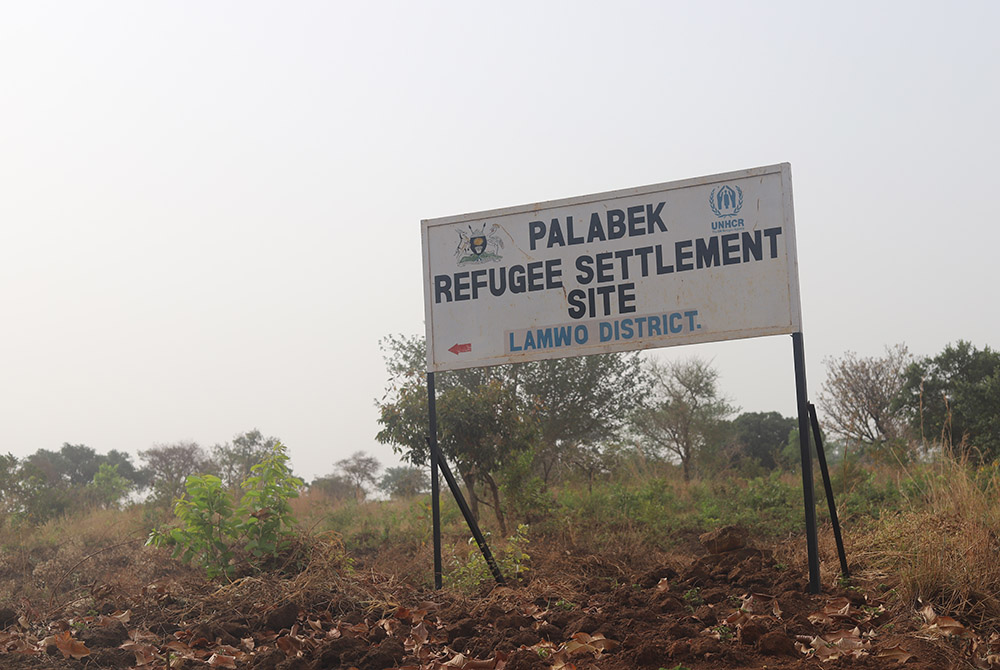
(726, 202)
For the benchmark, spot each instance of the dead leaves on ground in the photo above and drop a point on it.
(427, 642)
(941, 625)
(582, 644)
(849, 632)
(64, 642)
(61, 635)
(830, 646)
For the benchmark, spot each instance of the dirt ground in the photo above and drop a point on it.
(737, 606)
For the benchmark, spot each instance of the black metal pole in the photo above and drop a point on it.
(828, 488)
(470, 520)
(808, 495)
(432, 442)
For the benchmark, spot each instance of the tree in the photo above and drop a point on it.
(169, 465)
(481, 420)
(360, 470)
(336, 487)
(36, 498)
(404, 481)
(10, 485)
(107, 488)
(75, 465)
(762, 436)
(235, 459)
(53, 483)
(955, 396)
(858, 395)
(580, 404)
(686, 412)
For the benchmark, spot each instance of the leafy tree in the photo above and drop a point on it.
(360, 470)
(10, 486)
(75, 465)
(107, 488)
(762, 436)
(579, 405)
(404, 481)
(955, 396)
(686, 412)
(72, 465)
(137, 477)
(49, 484)
(38, 498)
(169, 465)
(235, 459)
(481, 420)
(334, 486)
(858, 395)
(563, 411)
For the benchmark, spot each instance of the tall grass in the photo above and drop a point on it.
(942, 545)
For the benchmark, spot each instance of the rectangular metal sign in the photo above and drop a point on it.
(699, 260)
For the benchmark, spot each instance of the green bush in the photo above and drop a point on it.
(214, 531)
(472, 572)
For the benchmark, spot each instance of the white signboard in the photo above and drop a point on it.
(699, 260)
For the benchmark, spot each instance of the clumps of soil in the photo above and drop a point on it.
(725, 604)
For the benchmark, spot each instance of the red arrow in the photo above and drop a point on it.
(461, 348)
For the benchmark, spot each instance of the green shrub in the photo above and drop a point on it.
(206, 527)
(213, 530)
(472, 572)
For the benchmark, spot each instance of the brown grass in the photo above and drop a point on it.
(945, 549)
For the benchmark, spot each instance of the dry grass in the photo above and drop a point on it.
(92, 558)
(944, 549)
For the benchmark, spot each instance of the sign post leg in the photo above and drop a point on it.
(809, 497)
(471, 521)
(437, 461)
(828, 489)
(435, 485)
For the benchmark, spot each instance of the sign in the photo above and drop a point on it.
(699, 260)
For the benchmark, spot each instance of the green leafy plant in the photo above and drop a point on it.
(205, 513)
(214, 531)
(512, 560)
(725, 632)
(693, 597)
(265, 516)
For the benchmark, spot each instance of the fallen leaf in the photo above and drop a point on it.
(290, 645)
(222, 661)
(831, 646)
(895, 653)
(836, 609)
(457, 662)
(358, 629)
(419, 633)
(65, 643)
(178, 646)
(948, 626)
(737, 618)
(757, 603)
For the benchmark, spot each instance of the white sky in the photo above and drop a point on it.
(210, 212)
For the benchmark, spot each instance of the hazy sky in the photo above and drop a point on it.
(210, 212)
